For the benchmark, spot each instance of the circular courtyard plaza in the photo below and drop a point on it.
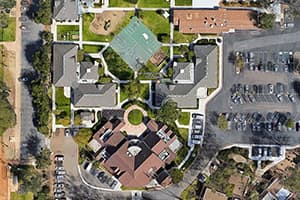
(130, 128)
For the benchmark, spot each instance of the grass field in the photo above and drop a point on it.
(67, 32)
(135, 117)
(189, 193)
(88, 35)
(183, 2)
(150, 71)
(153, 4)
(184, 133)
(184, 118)
(183, 38)
(17, 196)
(157, 24)
(9, 33)
(120, 3)
(92, 48)
(63, 109)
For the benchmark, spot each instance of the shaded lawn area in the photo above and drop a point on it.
(153, 4)
(157, 24)
(88, 35)
(63, 108)
(143, 92)
(180, 155)
(17, 196)
(121, 3)
(150, 71)
(135, 117)
(184, 118)
(184, 133)
(183, 2)
(67, 32)
(92, 48)
(184, 38)
(9, 33)
(117, 66)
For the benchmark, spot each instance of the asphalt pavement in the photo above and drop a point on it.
(30, 43)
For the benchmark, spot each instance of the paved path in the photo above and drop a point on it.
(131, 129)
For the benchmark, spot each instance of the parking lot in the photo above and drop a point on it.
(197, 128)
(99, 177)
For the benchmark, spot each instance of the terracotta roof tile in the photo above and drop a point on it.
(213, 20)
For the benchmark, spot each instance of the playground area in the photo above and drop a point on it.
(107, 22)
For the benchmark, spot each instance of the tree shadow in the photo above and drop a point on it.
(30, 50)
(33, 143)
(32, 8)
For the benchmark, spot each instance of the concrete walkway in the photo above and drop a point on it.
(131, 129)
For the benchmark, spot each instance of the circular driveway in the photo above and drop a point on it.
(131, 129)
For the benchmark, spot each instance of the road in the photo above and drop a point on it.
(30, 43)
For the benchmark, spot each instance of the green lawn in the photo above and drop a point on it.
(121, 3)
(183, 2)
(88, 35)
(67, 32)
(184, 118)
(143, 92)
(63, 109)
(183, 38)
(92, 48)
(157, 24)
(153, 4)
(17, 196)
(150, 71)
(9, 33)
(184, 133)
(135, 117)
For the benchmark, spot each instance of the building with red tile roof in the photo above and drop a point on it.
(136, 162)
(214, 21)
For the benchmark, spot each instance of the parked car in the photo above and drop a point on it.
(67, 132)
(292, 98)
(60, 172)
(271, 88)
(59, 158)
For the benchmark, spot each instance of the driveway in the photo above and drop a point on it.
(75, 188)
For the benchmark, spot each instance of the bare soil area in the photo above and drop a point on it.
(107, 22)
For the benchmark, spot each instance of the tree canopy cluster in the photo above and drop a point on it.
(7, 113)
(43, 14)
(31, 180)
(7, 4)
(39, 87)
(168, 113)
(43, 159)
(266, 21)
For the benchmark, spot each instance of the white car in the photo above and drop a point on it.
(59, 157)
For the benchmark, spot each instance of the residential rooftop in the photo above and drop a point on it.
(65, 10)
(189, 77)
(213, 20)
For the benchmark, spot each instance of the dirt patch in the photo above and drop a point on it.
(3, 176)
(107, 22)
(237, 158)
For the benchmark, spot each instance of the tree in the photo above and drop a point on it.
(43, 14)
(7, 4)
(80, 55)
(3, 20)
(43, 159)
(222, 122)
(47, 36)
(168, 112)
(7, 114)
(290, 123)
(266, 21)
(83, 136)
(133, 88)
(177, 175)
